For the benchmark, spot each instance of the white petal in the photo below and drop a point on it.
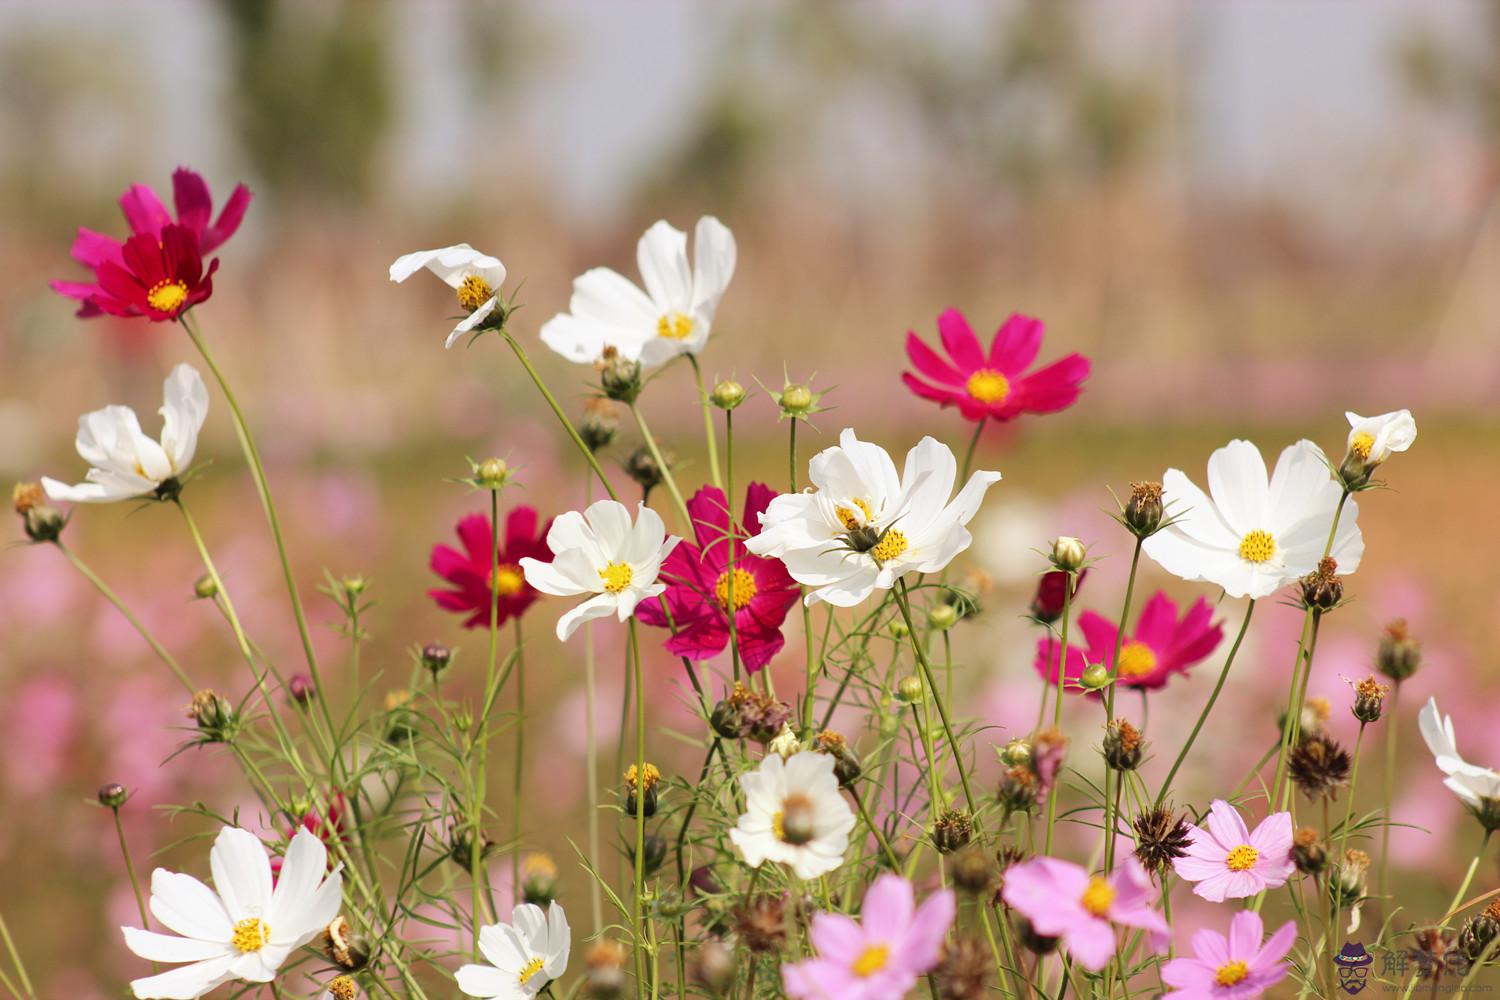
(610, 521)
(560, 577)
(1237, 480)
(597, 607)
(583, 340)
(184, 408)
(242, 873)
(661, 256)
(451, 264)
(486, 981)
(471, 321)
(559, 941)
(1195, 515)
(187, 906)
(185, 982)
(302, 871)
(169, 948)
(927, 481)
(609, 297)
(89, 492)
(714, 254)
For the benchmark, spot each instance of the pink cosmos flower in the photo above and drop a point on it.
(1238, 968)
(697, 578)
(878, 956)
(993, 386)
(1062, 900)
(468, 572)
(1227, 861)
(1160, 646)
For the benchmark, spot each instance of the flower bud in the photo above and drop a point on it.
(599, 424)
(846, 763)
(1037, 944)
(1143, 511)
(1369, 700)
(1051, 592)
(1354, 471)
(606, 979)
(619, 377)
(971, 870)
(909, 689)
(214, 715)
(714, 967)
(42, 521)
(113, 795)
(703, 881)
(942, 617)
(952, 831)
(798, 819)
(797, 400)
(341, 947)
(641, 466)
(898, 629)
(1322, 589)
(1399, 654)
(785, 743)
(436, 657)
(354, 585)
(727, 394)
(204, 588)
(1017, 791)
(1069, 554)
(461, 847)
(1095, 677)
(491, 474)
(647, 798)
(1309, 853)
(1347, 883)
(1016, 752)
(400, 728)
(765, 717)
(300, 689)
(538, 879)
(1123, 745)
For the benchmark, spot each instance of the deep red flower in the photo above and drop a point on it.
(993, 385)
(1160, 646)
(697, 578)
(158, 279)
(468, 572)
(1051, 588)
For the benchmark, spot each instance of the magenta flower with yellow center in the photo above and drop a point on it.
(472, 573)
(1161, 645)
(1063, 900)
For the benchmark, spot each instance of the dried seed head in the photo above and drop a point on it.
(599, 424)
(1369, 699)
(952, 831)
(963, 971)
(1143, 511)
(342, 988)
(1322, 589)
(1161, 837)
(619, 377)
(642, 789)
(1319, 766)
(761, 923)
(1309, 853)
(1399, 655)
(1123, 745)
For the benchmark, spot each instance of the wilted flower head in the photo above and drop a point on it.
(1143, 511)
(1323, 589)
(1369, 699)
(1161, 837)
(1319, 766)
(951, 831)
(1309, 852)
(599, 424)
(761, 922)
(640, 787)
(43, 522)
(1123, 745)
(1048, 749)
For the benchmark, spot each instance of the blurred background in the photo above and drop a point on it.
(1251, 216)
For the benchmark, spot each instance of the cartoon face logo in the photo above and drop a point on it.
(1354, 967)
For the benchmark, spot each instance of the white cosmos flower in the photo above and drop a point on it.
(794, 814)
(1255, 535)
(600, 552)
(475, 276)
(1478, 787)
(523, 955)
(1372, 440)
(863, 526)
(125, 462)
(671, 317)
(242, 928)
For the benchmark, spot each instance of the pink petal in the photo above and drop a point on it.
(1226, 825)
(144, 211)
(886, 911)
(1157, 621)
(229, 219)
(474, 532)
(1055, 387)
(926, 361)
(1091, 943)
(1099, 632)
(838, 938)
(945, 397)
(709, 511)
(193, 202)
(1245, 933)
(1016, 343)
(959, 340)
(924, 940)
(92, 249)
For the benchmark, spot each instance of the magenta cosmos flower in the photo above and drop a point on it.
(468, 572)
(1237, 968)
(993, 385)
(1062, 900)
(698, 585)
(879, 956)
(1160, 646)
(1228, 861)
(148, 217)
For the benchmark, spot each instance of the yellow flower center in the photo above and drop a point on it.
(167, 296)
(1098, 896)
(474, 292)
(1258, 546)
(871, 960)
(250, 934)
(988, 386)
(1233, 973)
(889, 547)
(530, 969)
(1136, 660)
(1242, 858)
(1361, 445)
(674, 326)
(342, 988)
(508, 580)
(848, 518)
(616, 577)
(744, 589)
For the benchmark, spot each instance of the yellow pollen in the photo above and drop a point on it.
(1242, 858)
(1136, 660)
(744, 589)
(1233, 973)
(530, 969)
(616, 577)
(674, 326)
(1361, 445)
(778, 824)
(988, 386)
(1098, 896)
(250, 934)
(342, 988)
(848, 518)
(1258, 546)
(891, 546)
(167, 296)
(871, 960)
(508, 580)
(474, 292)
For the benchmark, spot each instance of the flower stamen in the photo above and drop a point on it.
(744, 589)
(250, 934)
(848, 518)
(474, 292)
(1098, 897)
(1242, 858)
(891, 545)
(871, 960)
(529, 970)
(1136, 660)
(1257, 546)
(1232, 974)
(616, 577)
(167, 296)
(507, 580)
(1361, 446)
(988, 386)
(674, 326)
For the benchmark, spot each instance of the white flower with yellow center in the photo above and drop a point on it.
(523, 956)
(242, 928)
(794, 815)
(1372, 440)
(474, 277)
(601, 552)
(672, 316)
(1256, 534)
(862, 526)
(126, 463)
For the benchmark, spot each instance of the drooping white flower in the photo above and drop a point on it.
(1255, 535)
(523, 956)
(1478, 787)
(600, 552)
(125, 462)
(1372, 440)
(862, 526)
(242, 928)
(672, 316)
(475, 276)
(794, 814)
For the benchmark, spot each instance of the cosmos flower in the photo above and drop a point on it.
(159, 278)
(1228, 861)
(1477, 787)
(475, 277)
(124, 461)
(241, 929)
(523, 956)
(1237, 968)
(794, 814)
(993, 385)
(1372, 440)
(672, 316)
(698, 586)
(1063, 900)
(600, 552)
(468, 572)
(863, 526)
(1160, 646)
(1255, 535)
(881, 954)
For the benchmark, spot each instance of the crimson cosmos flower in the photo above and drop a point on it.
(697, 578)
(468, 572)
(160, 279)
(993, 386)
(1160, 646)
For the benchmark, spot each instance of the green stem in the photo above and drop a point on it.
(1111, 805)
(1348, 819)
(15, 959)
(885, 845)
(135, 884)
(731, 613)
(708, 423)
(1203, 716)
(638, 895)
(1062, 669)
(1389, 784)
(932, 692)
(557, 411)
(1294, 721)
(518, 783)
(963, 475)
(661, 463)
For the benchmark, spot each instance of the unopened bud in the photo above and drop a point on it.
(354, 585)
(113, 795)
(204, 588)
(538, 879)
(726, 719)
(898, 629)
(1016, 753)
(599, 424)
(214, 715)
(704, 882)
(1123, 745)
(942, 617)
(300, 689)
(1094, 677)
(1399, 654)
(909, 689)
(642, 467)
(491, 474)
(1143, 511)
(656, 852)
(1069, 554)
(619, 377)
(436, 657)
(797, 400)
(727, 395)
(971, 870)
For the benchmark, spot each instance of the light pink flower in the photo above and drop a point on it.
(1227, 861)
(1062, 900)
(1238, 968)
(881, 954)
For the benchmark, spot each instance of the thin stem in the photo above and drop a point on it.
(15, 959)
(518, 785)
(1389, 784)
(963, 475)
(1062, 670)
(1294, 721)
(477, 878)
(885, 845)
(1203, 717)
(557, 411)
(135, 884)
(1111, 804)
(661, 463)
(708, 423)
(932, 692)
(638, 895)
(731, 613)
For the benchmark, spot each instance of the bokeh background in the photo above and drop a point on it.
(1251, 216)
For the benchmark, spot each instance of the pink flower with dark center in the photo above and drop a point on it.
(993, 385)
(699, 583)
(1160, 646)
(1062, 900)
(1228, 861)
(1237, 968)
(882, 954)
(468, 572)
